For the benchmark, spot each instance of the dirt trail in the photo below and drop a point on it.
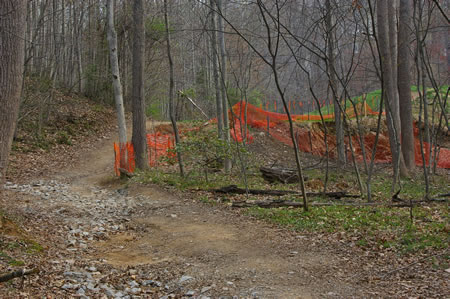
(185, 247)
(214, 246)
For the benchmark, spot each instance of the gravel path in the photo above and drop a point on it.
(136, 241)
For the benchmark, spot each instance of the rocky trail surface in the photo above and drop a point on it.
(102, 240)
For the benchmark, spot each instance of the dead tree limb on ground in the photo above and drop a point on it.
(277, 203)
(233, 189)
(18, 273)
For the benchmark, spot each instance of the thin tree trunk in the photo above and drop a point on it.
(340, 145)
(12, 45)
(389, 90)
(404, 84)
(214, 60)
(79, 41)
(273, 66)
(226, 121)
(171, 90)
(139, 130)
(117, 85)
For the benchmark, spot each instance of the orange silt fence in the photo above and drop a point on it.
(309, 140)
(159, 145)
(312, 141)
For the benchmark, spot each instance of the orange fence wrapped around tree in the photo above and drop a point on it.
(124, 157)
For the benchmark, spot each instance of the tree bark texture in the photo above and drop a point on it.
(214, 60)
(223, 71)
(138, 103)
(171, 89)
(12, 45)
(404, 83)
(389, 89)
(340, 145)
(115, 73)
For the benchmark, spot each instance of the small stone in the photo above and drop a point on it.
(133, 284)
(92, 288)
(92, 269)
(81, 291)
(110, 292)
(73, 274)
(185, 278)
(447, 270)
(132, 272)
(135, 291)
(205, 289)
(230, 283)
(151, 283)
(190, 293)
(173, 215)
(69, 286)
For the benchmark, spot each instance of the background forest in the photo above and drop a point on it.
(326, 119)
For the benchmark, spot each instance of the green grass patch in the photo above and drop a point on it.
(11, 261)
(373, 99)
(382, 226)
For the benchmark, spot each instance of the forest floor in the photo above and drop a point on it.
(92, 235)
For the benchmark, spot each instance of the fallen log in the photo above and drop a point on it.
(444, 195)
(266, 204)
(18, 273)
(287, 203)
(233, 189)
(278, 174)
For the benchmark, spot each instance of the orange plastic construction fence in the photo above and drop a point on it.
(158, 146)
(312, 141)
(308, 140)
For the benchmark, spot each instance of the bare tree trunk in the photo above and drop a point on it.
(63, 42)
(139, 130)
(214, 60)
(171, 90)
(340, 145)
(223, 71)
(79, 46)
(12, 45)
(117, 85)
(404, 84)
(389, 89)
(392, 23)
(273, 48)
